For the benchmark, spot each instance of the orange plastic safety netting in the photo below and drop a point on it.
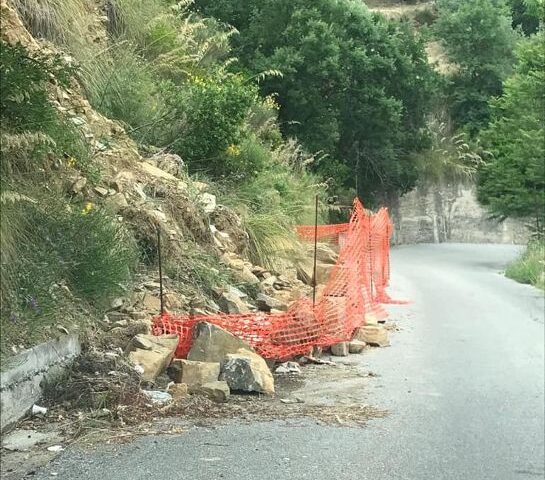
(355, 290)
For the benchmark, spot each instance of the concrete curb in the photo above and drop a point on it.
(22, 376)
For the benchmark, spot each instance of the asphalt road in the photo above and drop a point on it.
(463, 381)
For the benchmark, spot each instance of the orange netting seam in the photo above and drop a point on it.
(356, 288)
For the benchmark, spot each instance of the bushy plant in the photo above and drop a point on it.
(530, 266)
(451, 156)
(274, 200)
(32, 131)
(356, 86)
(52, 272)
(121, 84)
(59, 21)
(24, 103)
(527, 15)
(48, 248)
(213, 113)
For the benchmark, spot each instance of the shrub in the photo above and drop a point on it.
(355, 85)
(47, 247)
(51, 272)
(530, 266)
(512, 182)
(24, 103)
(56, 20)
(274, 200)
(33, 133)
(121, 85)
(213, 114)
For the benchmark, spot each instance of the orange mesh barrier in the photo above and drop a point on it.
(324, 232)
(356, 285)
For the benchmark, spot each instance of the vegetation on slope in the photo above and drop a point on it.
(512, 184)
(355, 86)
(530, 266)
(46, 260)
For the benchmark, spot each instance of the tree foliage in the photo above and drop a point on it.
(527, 14)
(478, 37)
(355, 86)
(512, 184)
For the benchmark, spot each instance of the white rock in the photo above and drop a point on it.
(37, 410)
(208, 202)
(158, 397)
(55, 448)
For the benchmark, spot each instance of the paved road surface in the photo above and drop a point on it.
(463, 382)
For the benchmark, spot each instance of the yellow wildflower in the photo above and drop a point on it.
(71, 162)
(233, 150)
(88, 207)
(270, 102)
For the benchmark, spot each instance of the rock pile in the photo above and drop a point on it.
(217, 364)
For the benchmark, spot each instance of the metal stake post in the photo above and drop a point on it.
(315, 252)
(160, 270)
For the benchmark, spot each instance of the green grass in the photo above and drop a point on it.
(51, 272)
(530, 266)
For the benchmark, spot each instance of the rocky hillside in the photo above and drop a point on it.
(206, 248)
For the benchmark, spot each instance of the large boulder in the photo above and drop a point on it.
(212, 343)
(194, 374)
(375, 335)
(152, 354)
(246, 371)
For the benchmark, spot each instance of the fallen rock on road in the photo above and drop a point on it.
(152, 354)
(246, 371)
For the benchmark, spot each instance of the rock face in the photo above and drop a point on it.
(212, 343)
(375, 335)
(152, 353)
(217, 391)
(246, 371)
(356, 346)
(195, 374)
(340, 349)
(437, 213)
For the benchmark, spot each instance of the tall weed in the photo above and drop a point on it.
(530, 266)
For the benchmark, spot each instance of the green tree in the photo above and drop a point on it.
(355, 86)
(526, 15)
(512, 184)
(478, 37)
